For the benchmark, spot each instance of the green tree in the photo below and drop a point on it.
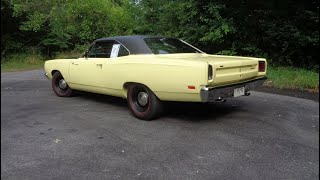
(198, 22)
(285, 32)
(65, 23)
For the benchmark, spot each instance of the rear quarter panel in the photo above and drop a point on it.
(167, 78)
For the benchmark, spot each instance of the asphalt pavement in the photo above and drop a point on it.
(89, 136)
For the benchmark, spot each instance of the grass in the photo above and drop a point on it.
(20, 62)
(292, 78)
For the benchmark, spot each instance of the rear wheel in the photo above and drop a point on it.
(60, 86)
(143, 103)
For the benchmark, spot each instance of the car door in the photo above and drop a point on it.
(89, 69)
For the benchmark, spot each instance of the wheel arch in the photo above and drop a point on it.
(54, 71)
(127, 84)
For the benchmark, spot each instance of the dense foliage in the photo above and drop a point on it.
(285, 32)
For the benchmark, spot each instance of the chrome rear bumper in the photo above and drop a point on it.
(220, 93)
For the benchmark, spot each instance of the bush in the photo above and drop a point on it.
(21, 61)
(68, 54)
(23, 58)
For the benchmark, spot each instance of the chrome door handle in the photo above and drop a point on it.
(74, 63)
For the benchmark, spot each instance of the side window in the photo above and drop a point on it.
(118, 50)
(123, 51)
(101, 49)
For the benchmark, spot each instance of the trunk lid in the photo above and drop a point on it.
(227, 69)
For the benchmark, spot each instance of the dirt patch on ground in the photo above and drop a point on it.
(306, 94)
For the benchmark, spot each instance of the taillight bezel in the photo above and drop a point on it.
(262, 66)
(210, 72)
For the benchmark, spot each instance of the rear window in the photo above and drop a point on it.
(164, 45)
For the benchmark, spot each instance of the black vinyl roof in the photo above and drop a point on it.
(135, 44)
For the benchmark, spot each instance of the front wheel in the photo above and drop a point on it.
(143, 103)
(60, 86)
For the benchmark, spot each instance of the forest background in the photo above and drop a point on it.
(285, 32)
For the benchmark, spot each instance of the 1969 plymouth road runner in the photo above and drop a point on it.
(147, 70)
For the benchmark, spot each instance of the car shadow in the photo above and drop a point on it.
(112, 100)
(198, 111)
(178, 110)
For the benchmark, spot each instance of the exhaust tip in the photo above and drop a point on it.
(220, 100)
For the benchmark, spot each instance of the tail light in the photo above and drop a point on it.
(262, 66)
(210, 72)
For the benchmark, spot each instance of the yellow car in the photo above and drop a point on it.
(147, 70)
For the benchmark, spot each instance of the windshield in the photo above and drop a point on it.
(161, 45)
